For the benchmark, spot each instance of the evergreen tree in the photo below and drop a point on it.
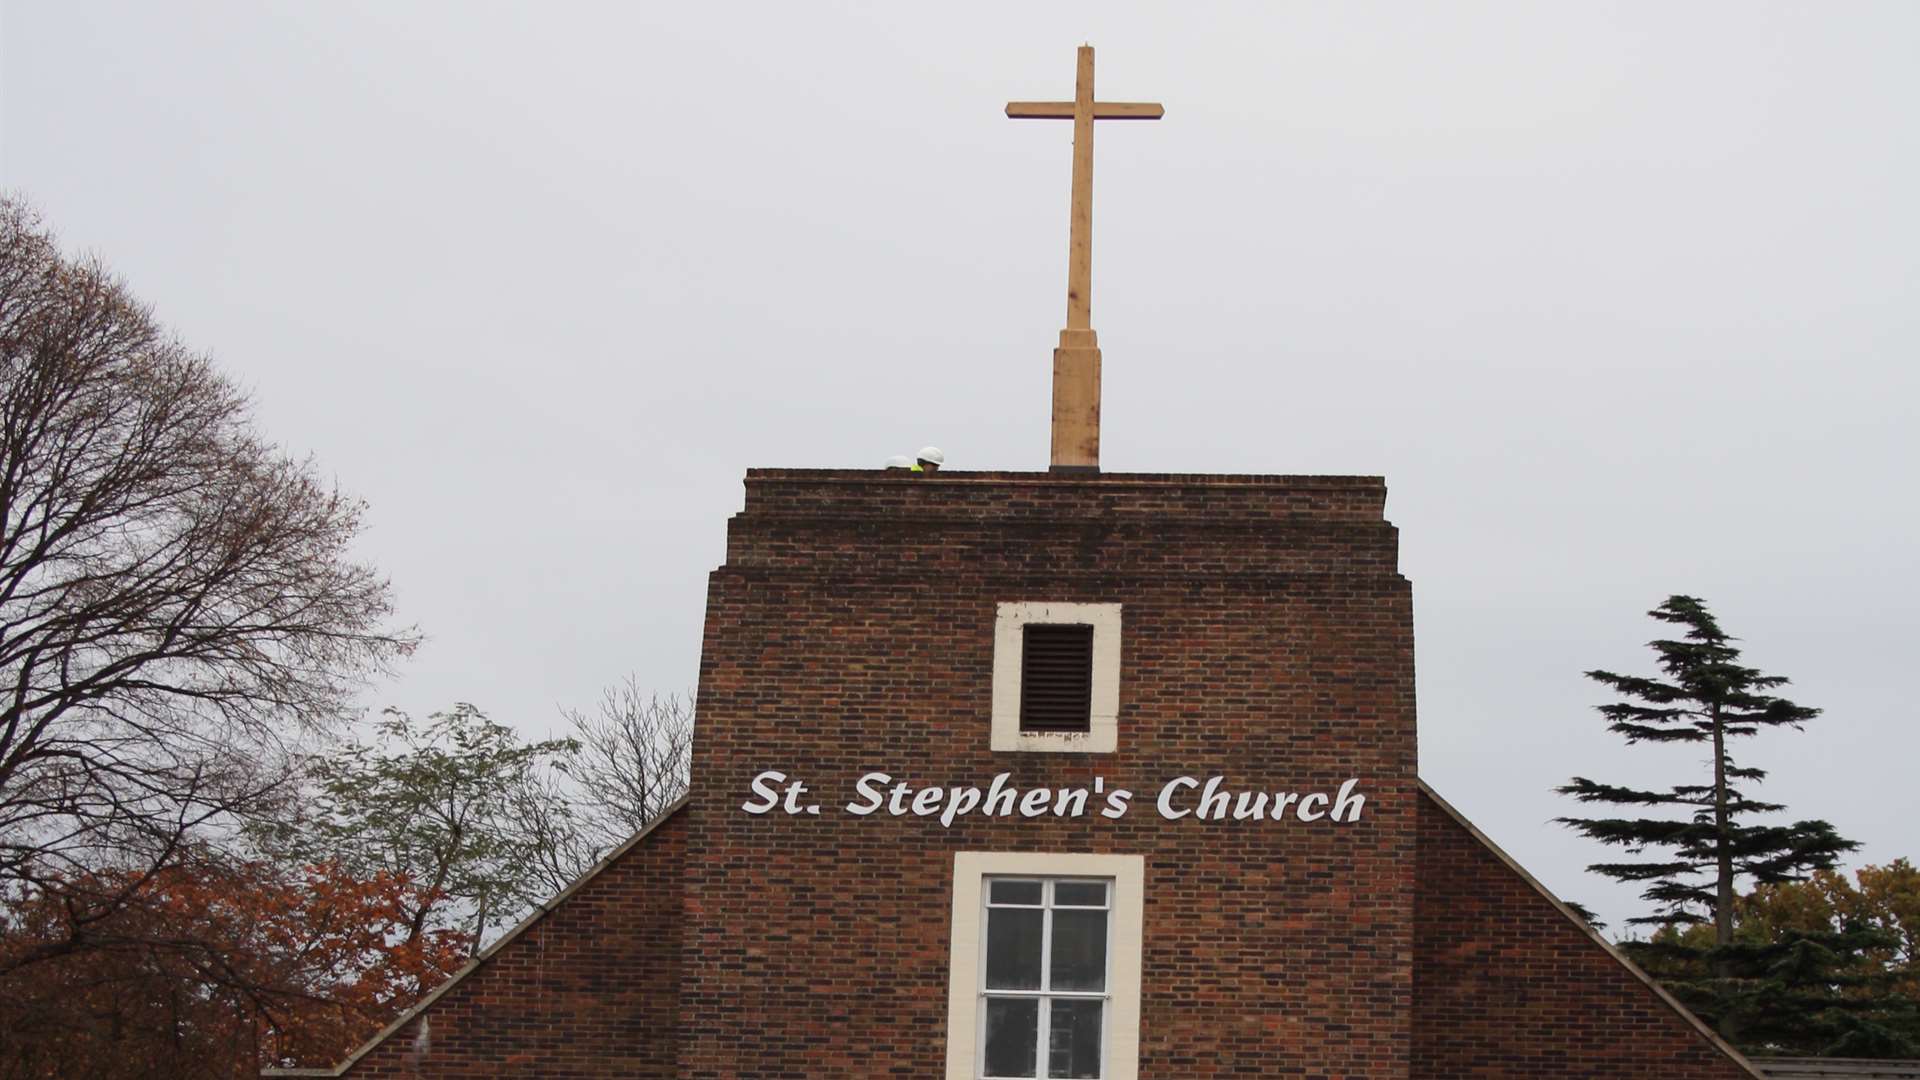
(1706, 696)
(1819, 983)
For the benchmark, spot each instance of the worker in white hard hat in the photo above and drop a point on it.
(929, 460)
(900, 462)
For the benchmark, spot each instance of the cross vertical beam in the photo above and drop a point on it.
(1076, 363)
(1080, 229)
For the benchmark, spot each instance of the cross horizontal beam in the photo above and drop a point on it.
(1102, 110)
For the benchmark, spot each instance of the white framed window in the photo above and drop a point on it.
(1045, 978)
(1056, 677)
(1043, 975)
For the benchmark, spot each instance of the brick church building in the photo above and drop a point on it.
(956, 677)
(1055, 774)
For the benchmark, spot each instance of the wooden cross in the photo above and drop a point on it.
(1083, 111)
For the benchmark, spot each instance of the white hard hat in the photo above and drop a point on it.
(899, 461)
(933, 454)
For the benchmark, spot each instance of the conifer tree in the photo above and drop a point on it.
(1708, 841)
(1815, 969)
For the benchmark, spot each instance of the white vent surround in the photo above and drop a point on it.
(1103, 732)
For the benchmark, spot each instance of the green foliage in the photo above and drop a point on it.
(446, 804)
(1586, 914)
(1709, 843)
(1815, 968)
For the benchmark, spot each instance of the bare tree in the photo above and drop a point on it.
(626, 762)
(636, 749)
(177, 598)
(563, 835)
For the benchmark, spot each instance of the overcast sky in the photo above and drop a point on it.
(1623, 300)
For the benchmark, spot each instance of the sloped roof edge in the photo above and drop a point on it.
(1594, 935)
(539, 912)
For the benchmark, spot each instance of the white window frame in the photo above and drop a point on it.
(1046, 994)
(1120, 1045)
(1009, 640)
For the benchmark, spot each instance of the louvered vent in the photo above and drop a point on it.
(1056, 677)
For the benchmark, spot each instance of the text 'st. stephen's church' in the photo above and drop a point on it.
(1145, 804)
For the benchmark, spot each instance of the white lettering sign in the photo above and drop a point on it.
(1181, 797)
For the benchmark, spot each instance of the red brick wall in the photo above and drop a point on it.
(1267, 638)
(587, 991)
(1506, 986)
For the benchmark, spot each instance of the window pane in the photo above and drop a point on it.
(1016, 892)
(1073, 1041)
(1080, 894)
(1079, 950)
(1013, 1036)
(1013, 948)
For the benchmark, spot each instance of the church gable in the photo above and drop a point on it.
(1509, 983)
